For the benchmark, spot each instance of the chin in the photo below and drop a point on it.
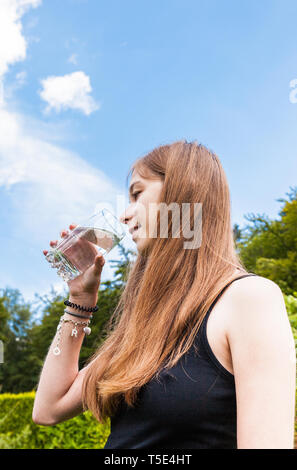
(143, 246)
(140, 243)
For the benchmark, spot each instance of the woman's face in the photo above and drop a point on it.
(142, 193)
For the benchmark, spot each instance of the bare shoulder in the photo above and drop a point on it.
(257, 310)
(253, 285)
(252, 291)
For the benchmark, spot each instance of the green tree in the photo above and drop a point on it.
(269, 247)
(236, 232)
(15, 316)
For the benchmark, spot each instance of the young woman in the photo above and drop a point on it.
(199, 353)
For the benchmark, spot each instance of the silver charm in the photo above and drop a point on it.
(74, 332)
(57, 351)
(87, 330)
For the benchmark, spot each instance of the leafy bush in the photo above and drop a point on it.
(291, 306)
(18, 431)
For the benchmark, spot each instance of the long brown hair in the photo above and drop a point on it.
(168, 293)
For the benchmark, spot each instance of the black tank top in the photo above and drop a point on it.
(192, 406)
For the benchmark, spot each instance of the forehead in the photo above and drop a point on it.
(136, 177)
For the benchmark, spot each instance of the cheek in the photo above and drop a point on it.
(147, 215)
(151, 225)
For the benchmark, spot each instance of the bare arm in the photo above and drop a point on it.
(58, 395)
(264, 363)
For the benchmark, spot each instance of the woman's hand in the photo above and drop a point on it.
(88, 282)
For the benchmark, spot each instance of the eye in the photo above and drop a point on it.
(134, 195)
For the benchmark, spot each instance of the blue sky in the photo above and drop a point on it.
(88, 86)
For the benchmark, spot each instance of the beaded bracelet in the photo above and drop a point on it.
(79, 307)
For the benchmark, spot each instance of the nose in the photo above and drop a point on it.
(124, 218)
(128, 214)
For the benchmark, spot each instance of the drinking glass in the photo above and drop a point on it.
(99, 233)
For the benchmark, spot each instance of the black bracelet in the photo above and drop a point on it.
(79, 316)
(79, 307)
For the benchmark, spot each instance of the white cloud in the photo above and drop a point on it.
(46, 181)
(12, 42)
(70, 91)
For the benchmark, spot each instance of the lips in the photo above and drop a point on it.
(135, 229)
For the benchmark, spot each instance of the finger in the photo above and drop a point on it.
(72, 226)
(99, 263)
(99, 260)
(64, 233)
(45, 252)
(53, 243)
